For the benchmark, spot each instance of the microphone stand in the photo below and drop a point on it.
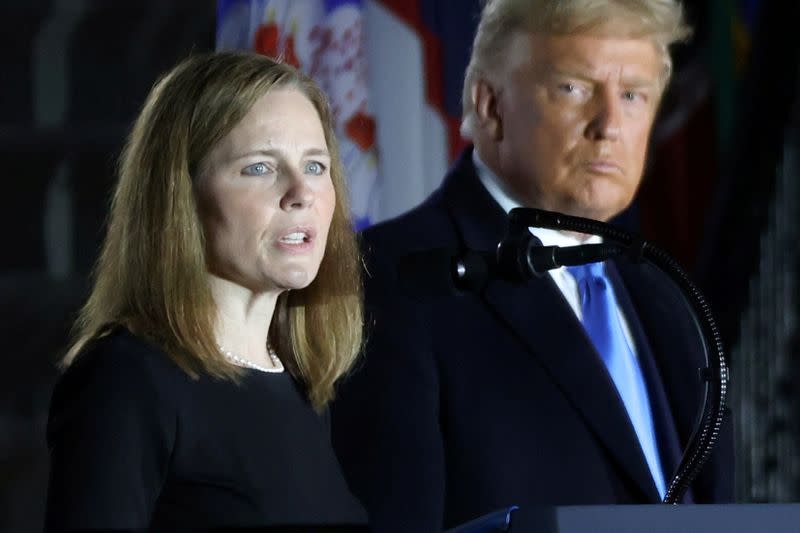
(520, 257)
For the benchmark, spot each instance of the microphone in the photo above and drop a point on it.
(521, 256)
(448, 271)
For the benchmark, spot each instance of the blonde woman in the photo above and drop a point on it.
(226, 304)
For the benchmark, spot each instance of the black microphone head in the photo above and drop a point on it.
(513, 255)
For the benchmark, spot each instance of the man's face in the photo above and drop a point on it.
(575, 113)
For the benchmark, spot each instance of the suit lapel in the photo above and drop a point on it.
(567, 355)
(666, 360)
(565, 351)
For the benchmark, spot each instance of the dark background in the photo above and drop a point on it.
(720, 193)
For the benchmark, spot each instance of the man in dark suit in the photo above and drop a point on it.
(580, 387)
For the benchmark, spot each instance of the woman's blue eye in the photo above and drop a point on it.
(257, 169)
(314, 167)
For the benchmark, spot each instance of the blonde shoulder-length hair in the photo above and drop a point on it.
(151, 275)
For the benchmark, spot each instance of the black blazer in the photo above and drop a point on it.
(468, 402)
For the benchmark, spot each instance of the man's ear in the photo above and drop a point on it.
(487, 109)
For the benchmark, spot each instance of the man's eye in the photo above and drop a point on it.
(573, 90)
(633, 96)
(314, 167)
(257, 169)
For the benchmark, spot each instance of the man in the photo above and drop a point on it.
(577, 388)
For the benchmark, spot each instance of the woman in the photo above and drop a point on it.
(229, 257)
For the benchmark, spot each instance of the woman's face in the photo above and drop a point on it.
(265, 195)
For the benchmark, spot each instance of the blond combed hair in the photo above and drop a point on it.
(151, 276)
(662, 21)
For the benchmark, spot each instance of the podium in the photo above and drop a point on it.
(732, 518)
(744, 518)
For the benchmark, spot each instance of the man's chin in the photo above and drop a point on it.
(603, 205)
(601, 212)
(600, 205)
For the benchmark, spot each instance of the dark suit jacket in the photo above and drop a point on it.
(467, 402)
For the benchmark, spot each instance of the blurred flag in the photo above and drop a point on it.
(324, 39)
(733, 26)
(693, 139)
(417, 52)
(445, 29)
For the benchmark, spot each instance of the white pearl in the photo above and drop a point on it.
(255, 366)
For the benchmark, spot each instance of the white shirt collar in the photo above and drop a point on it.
(549, 237)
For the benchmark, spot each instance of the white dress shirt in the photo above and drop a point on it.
(564, 280)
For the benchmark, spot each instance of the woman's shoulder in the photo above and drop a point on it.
(111, 430)
(118, 384)
(117, 365)
(122, 352)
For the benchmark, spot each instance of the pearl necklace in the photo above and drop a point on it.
(255, 366)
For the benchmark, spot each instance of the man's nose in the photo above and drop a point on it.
(606, 123)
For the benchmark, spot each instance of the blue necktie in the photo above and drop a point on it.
(602, 323)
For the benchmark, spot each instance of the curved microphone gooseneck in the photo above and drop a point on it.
(517, 259)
